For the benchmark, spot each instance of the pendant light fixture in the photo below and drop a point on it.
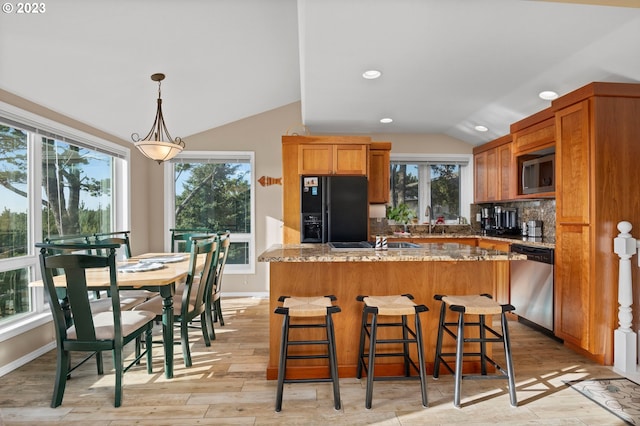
(158, 144)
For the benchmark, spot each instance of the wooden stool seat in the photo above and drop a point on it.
(308, 307)
(394, 306)
(391, 305)
(473, 304)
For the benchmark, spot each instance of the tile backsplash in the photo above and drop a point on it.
(543, 209)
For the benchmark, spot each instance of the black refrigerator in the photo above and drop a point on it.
(333, 208)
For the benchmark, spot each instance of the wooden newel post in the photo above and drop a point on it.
(625, 339)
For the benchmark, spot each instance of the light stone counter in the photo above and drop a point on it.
(429, 252)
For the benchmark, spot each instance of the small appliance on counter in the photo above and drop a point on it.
(534, 228)
(498, 220)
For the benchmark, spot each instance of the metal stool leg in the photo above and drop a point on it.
(421, 360)
(459, 356)
(333, 362)
(372, 351)
(282, 367)
(436, 364)
(363, 331)
(507, 354)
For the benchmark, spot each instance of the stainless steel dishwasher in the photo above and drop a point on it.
(532, 285)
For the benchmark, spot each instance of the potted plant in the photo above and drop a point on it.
(401, 214)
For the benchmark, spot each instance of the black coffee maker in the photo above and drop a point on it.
(498, 220)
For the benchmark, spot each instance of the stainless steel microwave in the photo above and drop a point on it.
(539, 175)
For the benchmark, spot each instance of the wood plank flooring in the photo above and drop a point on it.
(227, 385)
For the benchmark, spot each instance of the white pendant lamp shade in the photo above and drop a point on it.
(158, 145)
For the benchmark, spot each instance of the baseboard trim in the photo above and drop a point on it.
(8, 368)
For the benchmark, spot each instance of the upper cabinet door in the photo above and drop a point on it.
(328, 159)
(573, 169)
(379, 160)
(315, 159)
(350, 160)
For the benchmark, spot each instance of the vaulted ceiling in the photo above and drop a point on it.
(446, 66)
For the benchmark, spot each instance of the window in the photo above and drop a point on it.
(215, 190)
(54, 181)
(422, 181)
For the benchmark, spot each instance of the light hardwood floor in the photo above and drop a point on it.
(227, 385)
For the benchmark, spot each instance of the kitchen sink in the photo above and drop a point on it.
(366, 245)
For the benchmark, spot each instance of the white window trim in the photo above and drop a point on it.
(169, 207)
(466, 173)
(121, 213)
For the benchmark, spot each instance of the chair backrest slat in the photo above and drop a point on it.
(207, 246)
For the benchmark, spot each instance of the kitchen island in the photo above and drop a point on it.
(435, 268)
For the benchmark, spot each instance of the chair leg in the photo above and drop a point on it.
(62, 370)
(98, 363)
(148, 339)
(282, 365)
(118, 366)
(184, 339)
(209, 314)
(205, 329)
(219, 312)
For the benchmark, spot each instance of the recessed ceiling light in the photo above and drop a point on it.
(480, 128)
(548, 95)
(371, 74)
(386, 120)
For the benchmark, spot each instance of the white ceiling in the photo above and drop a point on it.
(447, 65)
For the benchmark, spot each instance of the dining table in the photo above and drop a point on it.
(157, 272)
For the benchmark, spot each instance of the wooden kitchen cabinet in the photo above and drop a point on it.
(379, 166)
(316, 155)
(572, 171)
(492, 169)
(332, 159)
(597, 150)
(573, 286)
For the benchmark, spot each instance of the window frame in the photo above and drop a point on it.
(170, 219)
(37, 127)
(465, 161)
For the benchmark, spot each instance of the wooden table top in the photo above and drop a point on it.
(99, 278)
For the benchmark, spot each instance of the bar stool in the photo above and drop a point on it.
(396, 305)
(480, 305)
(307, 307)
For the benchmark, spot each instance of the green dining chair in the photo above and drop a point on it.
(214, 286)
(188, 303)
(133, 297)
(90, 332)
(181, 238)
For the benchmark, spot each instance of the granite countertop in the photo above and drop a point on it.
(514, 239)
(429, 252)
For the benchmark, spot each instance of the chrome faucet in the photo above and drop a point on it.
(427, 213)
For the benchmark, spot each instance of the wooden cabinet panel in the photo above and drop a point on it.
(573, 164)
(572, 284)
(315, 159)
(379, 174)
(350, 159)
(505, 173)
(326, 159)
(486, 176)
(493, 173)
(536, 137)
